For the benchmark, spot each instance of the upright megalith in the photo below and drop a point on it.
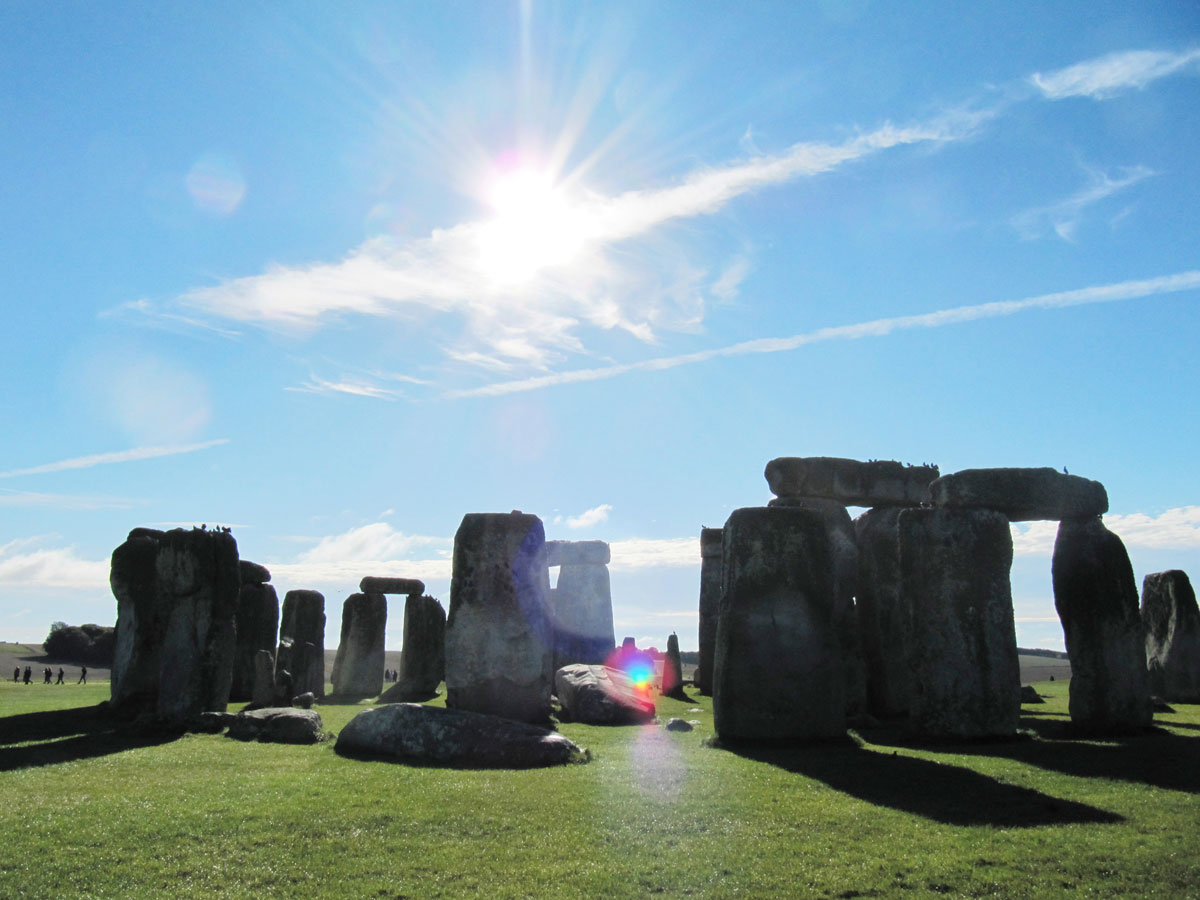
(266, 691)
(883, 624)
(141, 619)
(1097, 601)
(358, 665)
(777, 671)
(1171, 623)
(301, 650)
(671, 684)
(710, 602)
(257, 621)
(423, 659)
(1021, 494)
(499, 631)
(954, 584)
(581, 602)
(850, 481)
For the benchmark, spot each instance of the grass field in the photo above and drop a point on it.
(87, 811)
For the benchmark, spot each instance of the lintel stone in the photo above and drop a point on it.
(1022, 494)
(851, 482)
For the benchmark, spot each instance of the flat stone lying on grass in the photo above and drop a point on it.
(277, 725)
(381, 584)
(1030, 695)
(600, 695)
(433, 734)
(678, 724)
(850, 481)
(1172, 624)
(1022, 494)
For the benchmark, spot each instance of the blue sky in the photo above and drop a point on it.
(336, 276)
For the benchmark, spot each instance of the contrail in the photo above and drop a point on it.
(117, 456)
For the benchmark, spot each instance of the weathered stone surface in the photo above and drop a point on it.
(278, 725)
(423, 660)
(358, 665)
(416, 733)
(141, 619)
(302, 641)
(578, 553)
(600, 695)
(1030, 695)
(1171, 622)
(253, 573)
(677, 724)
(882, 619)
(778, 663)
(582, 610)
(671, 684)
(304, 701)
(1021, 494)
(710, 601)
(1097, 601)
(257, 621)
(499, 630)
(197, 581)
(265, 693)
(849, 481)
(954, 577)
(378, 584)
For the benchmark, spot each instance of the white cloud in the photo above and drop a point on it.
(1108, 293)
(591, 517)
(119, 456)
(1173, 529)
(648, 553)
(357, 387)
(1112, 74)
(21, 565)
(1033, 538)
(1063, 218)
(377, 541)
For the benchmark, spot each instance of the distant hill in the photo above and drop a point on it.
(1052, 654)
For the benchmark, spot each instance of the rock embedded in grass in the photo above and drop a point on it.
(600, 695)
(432, 734)
(277, 725)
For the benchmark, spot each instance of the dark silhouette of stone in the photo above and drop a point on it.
(141, 619)
(882, 619)
(778, 664)
(849, 481)
(265, 692)
(1021, 494)
(302, 641)
(358, 665)
(678, 724)
(954, 576)
(671, 684)
(304, 701)
(257, 621)
(423, 660)
(414, 733)
(373, 584)
(1171, 622)
(253, 573)
(600, 695)
(710, 602)
(1029, 695)
(499, 630)
(582, 604)
(1097, 601)
(277, 725)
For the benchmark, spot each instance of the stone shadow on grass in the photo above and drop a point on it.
(941, 792)
(65, 735)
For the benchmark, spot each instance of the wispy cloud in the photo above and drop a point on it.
(1109, 293)
(118, 456)
(1172, 529)
(1063, 217)
(354, 387)
(1113, 74)
(10, 497)
(591, 517)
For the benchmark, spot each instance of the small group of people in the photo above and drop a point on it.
(47, 675)
(391, 676)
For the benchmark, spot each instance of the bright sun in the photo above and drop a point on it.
(533, 227)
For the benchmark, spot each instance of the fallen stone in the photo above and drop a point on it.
(379, 584)
(277, 725)
(304, 701)
(1097, 602)
(677, 724)
(406, 692)
(849, 481)
(1021, 494)
(882, 618)
(1171, 621)
(430, 734)
(252, 572)
(1029, 695)
(600, 695)
(710, 602)
(954, 571)
(358, 665)
(578, 553)
(777, 671)
(211, 722)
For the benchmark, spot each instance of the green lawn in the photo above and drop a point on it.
(87, 811)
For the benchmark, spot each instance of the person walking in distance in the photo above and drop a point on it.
(82, 675)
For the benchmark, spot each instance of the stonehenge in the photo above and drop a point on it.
(1172, 626)
(882, 619)
(301, 650)
(257, 625)
(358, 666)
(710, 601)
(423, 660)
(581, 603)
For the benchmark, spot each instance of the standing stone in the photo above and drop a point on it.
(882, 622)
(423, 660)
(710, 602)
(954, 581)
(581, 603)
(499, 630)
(672, 674)
(257, 622)
(197, 578)
(265, 691)
(1172, 625)
(777, 666)
(302, 641)
(1097, 601)
(358, 666)
(141, 619)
